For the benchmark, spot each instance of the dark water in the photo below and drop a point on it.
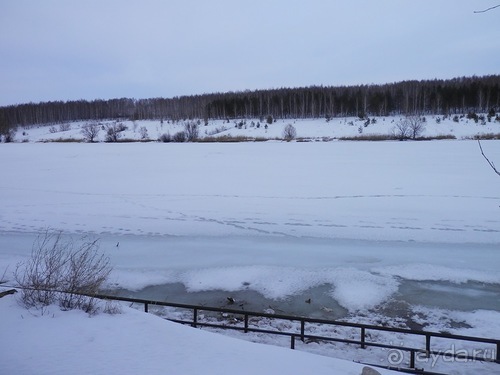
(318, 302)
(315, 302)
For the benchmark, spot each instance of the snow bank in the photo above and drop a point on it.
(134, 342)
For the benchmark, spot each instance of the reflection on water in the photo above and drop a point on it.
(445, 295)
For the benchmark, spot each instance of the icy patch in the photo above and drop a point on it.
(420, 272)
(476, 323)
(137, 279)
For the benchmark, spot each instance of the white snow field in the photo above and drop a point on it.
(399, 233)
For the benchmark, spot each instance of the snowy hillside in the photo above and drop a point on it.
(450, 127)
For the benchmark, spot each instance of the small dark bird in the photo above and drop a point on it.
(308, 300)
(118, 244)
(230, 300)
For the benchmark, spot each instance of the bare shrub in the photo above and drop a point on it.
(191, 129)
(113, 134)
(289, 132)
(121, 127)
(402, 130)
(179, 137)
(165, 137)
(112, 308)
(416, 124)
(143, 131)
(64, 127)
(59, 271)
(90, 131)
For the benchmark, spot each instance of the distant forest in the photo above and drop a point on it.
(458, 95)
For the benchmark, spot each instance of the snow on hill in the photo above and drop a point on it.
(458, 127)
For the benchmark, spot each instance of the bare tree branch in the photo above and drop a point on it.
(488, 160)
(484, 11)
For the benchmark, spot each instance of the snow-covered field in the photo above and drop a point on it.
(400, 233)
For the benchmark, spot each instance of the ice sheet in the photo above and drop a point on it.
(278, 218)
(425, 191)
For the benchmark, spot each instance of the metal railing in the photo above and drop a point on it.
(304, 322)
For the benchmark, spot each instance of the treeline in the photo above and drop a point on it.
(458, 95)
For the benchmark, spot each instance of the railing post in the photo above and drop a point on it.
(292, 342)
(195, 317)
(302, 329)
(363, 338)
(498, 351)
(427, 344)
(246, 323)
(412, 358)
(145, 307)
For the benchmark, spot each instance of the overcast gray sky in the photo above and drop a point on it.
(102, 49)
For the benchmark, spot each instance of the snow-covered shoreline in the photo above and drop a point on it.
(457, 127)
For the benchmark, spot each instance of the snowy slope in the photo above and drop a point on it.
(70, 342)
(318, 129)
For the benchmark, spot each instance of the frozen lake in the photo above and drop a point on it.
(401, 233)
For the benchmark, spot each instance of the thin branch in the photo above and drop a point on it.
(484, 11)
(488, 160)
